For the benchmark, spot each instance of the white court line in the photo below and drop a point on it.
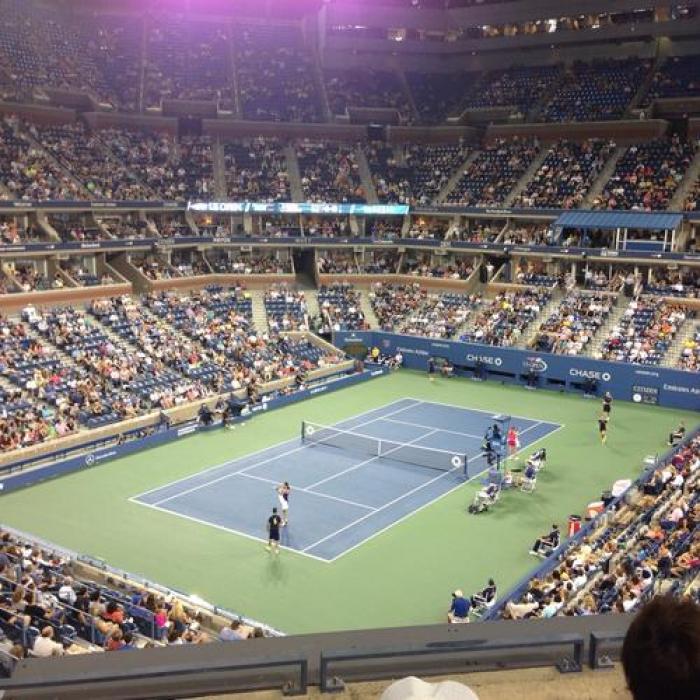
(442, 430)
(480, 410)
(226, 529)
(313, 493)
(243, 470)
(257, 452)
(371, 459)
(381, 508)
(434, 500)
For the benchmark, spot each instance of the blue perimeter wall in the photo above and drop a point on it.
(628, 382)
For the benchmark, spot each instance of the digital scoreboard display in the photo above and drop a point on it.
(318, 208)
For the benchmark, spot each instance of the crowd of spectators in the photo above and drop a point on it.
(518, 88)
(678, 76)
(49, 607)
(186, 59)
(436, 95)
(572, 326)
(440, 316)
(494, 172)
(647, 175)
(566, 174)
(692, 199)
(244, 357)
(502, 321)
(256, 170)
(188, 263)
(327, 227)
(596, 91)
(275, 74)
(154, 267)
(86, 157)
(24, 277)
(337, 262)
(528, 234)
(683, 283)
(78, 271)
(429, 168)
(392, 303)
(383, 229)
(286, 309)
(329, 172)
(341, 308)
(535, 274)
(607, 278)
(645, 331)
(424, 265)
(255, 264)
(428, 229)
(366, 87)
(477, 231)
(34, 409)
(15, 230)
(173, 169)
(40, 48)
(26, 169)
(646, 546)
(376, 262)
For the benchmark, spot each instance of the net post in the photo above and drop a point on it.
(303, 430)
(466, 467)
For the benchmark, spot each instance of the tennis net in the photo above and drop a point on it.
(366, 445)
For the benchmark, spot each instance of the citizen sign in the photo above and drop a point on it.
(485, 359)
(590, 374)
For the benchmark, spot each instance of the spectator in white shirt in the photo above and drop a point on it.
(66, 594)
(45, 646)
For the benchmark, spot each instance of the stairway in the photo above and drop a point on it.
(259, 313)
(408, 93)
(456, 177)
(605, 174)
(532, 329)
(50, 157)
(687, 331)
(692, 175)
(293, 173)
(367, 309)
(366, 176)
(536, 110)
(526, 177)
(219, 169)
(643, 87)
(593, 347)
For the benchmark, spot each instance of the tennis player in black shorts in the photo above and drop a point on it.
(274, 522)
(603, 427)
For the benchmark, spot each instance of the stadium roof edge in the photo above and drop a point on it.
(650, 221)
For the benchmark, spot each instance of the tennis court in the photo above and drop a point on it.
(350, 481)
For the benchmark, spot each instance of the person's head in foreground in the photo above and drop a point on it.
(661, 651)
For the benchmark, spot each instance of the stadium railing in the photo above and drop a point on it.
(288, 663)
(554, 558)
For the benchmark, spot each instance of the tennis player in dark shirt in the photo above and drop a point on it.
(607, 403)
(274, 522)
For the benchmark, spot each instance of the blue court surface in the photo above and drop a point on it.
(342, 496)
